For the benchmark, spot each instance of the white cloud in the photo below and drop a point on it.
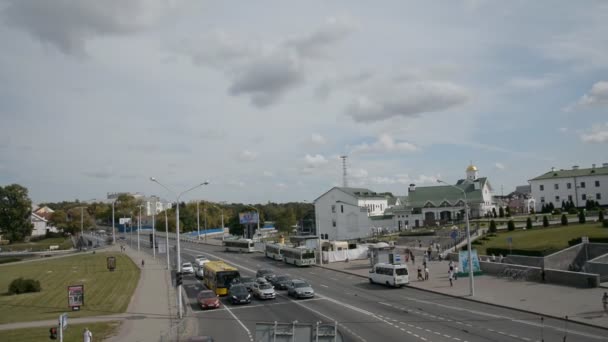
(382, 180)
(499, 166)
(318, 139)
(236, 183)
(404, 179)
(528, 83)
(357, 173)
(597, 134)
(316, 44)
(268, 174)
(385, 144)
(407, 99)
(563, 129)
(314, 161)
(598, 95)
(248, 156)
(281, 186)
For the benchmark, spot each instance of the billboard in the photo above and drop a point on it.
(75, 296)
(463, 257)
(248, 217)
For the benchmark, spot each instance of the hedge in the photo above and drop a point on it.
(423, 233)
(21, 285)
(591, 240)
(526, 252)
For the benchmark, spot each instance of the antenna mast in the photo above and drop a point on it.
(344, 175)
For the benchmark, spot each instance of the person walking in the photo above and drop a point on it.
(456, 272)
(426, 273)
(450, 277)
(87, 335)
(142, 263)
(605, 302)
(420, 278)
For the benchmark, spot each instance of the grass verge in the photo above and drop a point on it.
(105, 292)
(73, 332)
(40, 245)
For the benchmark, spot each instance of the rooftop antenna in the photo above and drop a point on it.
(344, 179)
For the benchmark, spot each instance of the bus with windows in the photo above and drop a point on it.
(218, 275)
(299, 256)
(240, 245)
(395, 275)
(273, 251)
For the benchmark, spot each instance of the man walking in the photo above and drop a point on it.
(426, 273)
(450, 277)
(456, 272)
(87, 336)
(605, 302)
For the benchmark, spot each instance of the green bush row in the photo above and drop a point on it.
(21, 285)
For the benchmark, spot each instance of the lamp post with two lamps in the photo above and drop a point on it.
(179, 264)
(466, 215)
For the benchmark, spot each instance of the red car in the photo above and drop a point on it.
(207, 299)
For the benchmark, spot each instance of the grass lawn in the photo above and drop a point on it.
(73, 332)
(40, 245)
(105, 292)
(555, 237)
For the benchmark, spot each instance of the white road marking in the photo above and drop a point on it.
(324, 285)
(241, 323)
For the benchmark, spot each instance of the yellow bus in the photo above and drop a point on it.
(218, 275)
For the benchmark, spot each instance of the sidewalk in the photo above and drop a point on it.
(581, 305)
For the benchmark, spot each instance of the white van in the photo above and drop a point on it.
(390, 274)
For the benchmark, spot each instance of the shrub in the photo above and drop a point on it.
(21, 285)
(511, 225)
(600, 216)
(557, 211)
(528, 252)
(572, 211)
(545, 221)
(605, 223)
(529, 223)
(564, 220)
(581, 217)
(492, 226)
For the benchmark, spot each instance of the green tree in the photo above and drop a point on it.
(494, 213)
(511, 225)
(15, 212)
(529, 223)
(601, 215)
(564, 220)
(492, 226)
(508, 212)
(545, 221)
(581, 217)
(501, 212)
(286, 221)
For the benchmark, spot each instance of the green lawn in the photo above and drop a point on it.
(73, 332)
(40, 245)
(104, 292)
(555, 237)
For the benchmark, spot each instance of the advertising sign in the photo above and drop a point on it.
(111, 261)
(63, 321)
(248, 217)
(463, 257)
(124, 220)
(162, 248)
(75, 297)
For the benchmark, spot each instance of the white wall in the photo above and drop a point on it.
(351, 221)
(549, 193)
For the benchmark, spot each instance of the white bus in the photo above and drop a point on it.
(299, 256)
(240, 245)
(273, 251)
(390, 274)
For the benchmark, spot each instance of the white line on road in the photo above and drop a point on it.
(241, 323)
(324, 285)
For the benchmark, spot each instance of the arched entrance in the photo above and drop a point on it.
(429, 218)
(445, 216)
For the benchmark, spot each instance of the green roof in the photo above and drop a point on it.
(363, 192)
(446, 194)
(573, 173)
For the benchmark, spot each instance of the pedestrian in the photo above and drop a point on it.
(493, 257)
(407, 258)
(451, 266)
(142, 263)
(87, 335)
(426, 273)
(419, 244)
(424, 264)
(605, 302)
(500, 258)
(413, 258)
(456, 272)
(542, 274)
(450, 276)
(420, 274)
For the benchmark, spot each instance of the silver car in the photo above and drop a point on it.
(300, 289)
(263, 291)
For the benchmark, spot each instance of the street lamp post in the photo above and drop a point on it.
(113, 229)
(198, 222)
(138, 227)
(167, 238)
(154, 230)
(466, 215)
(205, 226)
(179, 264)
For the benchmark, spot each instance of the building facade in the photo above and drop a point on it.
(576, 185)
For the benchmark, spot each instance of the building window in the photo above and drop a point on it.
(597, 184)
(598, 196)
(542, 200)
(584, 197)
(569, 185)
(542, 187)
(342, 208)
(333, 223)
(569, 198)
(556, 186)
(556, 199)
(333, 208)
(583, 185)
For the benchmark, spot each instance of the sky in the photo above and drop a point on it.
(261, 98)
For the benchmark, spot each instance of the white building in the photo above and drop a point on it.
(39, 223)
(576, 185)
(346, 213)
(151, 203)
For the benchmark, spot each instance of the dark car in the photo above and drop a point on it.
(300, 289)
(239, 294)
(265, 273)
(246, 281)
(281, 282)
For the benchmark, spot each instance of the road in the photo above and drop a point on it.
(367, 312)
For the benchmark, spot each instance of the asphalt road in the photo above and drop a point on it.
(367, 312)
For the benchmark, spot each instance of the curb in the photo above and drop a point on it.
(482, 302)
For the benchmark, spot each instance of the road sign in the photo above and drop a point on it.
(162, 248)
(75, 297)
(510, 240)
(63, 321)
(454, 234)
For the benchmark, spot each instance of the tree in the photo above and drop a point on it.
(492, 226)
(285, 221)
(529, 223)
(564, 220)
(601, 216)
(551, 207)
(581, 217)
(543, 209)
(545, 221)
(564, 206)
(508, 212)
(15, 212)
(511, 225)
(501, 212)
(494, 213)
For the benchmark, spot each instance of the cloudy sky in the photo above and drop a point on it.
(262, 97)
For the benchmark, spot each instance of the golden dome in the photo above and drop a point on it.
(472, 168)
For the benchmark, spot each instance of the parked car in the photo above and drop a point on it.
(281, 282)
(187, 268)
(207, 299)
(200, 260)
(238, 294)
(263, 291)
(198, 272)
(265, 273)
(300, 289)
(261, 280)
(248, 282)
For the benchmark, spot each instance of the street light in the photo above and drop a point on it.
(466, 215)
(179, 263)
(139, 226)
(113, 229)
(167, 237)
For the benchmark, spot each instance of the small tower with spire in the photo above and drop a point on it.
(472, 172)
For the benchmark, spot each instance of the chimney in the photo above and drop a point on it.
(575, 167)
(412, 188)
